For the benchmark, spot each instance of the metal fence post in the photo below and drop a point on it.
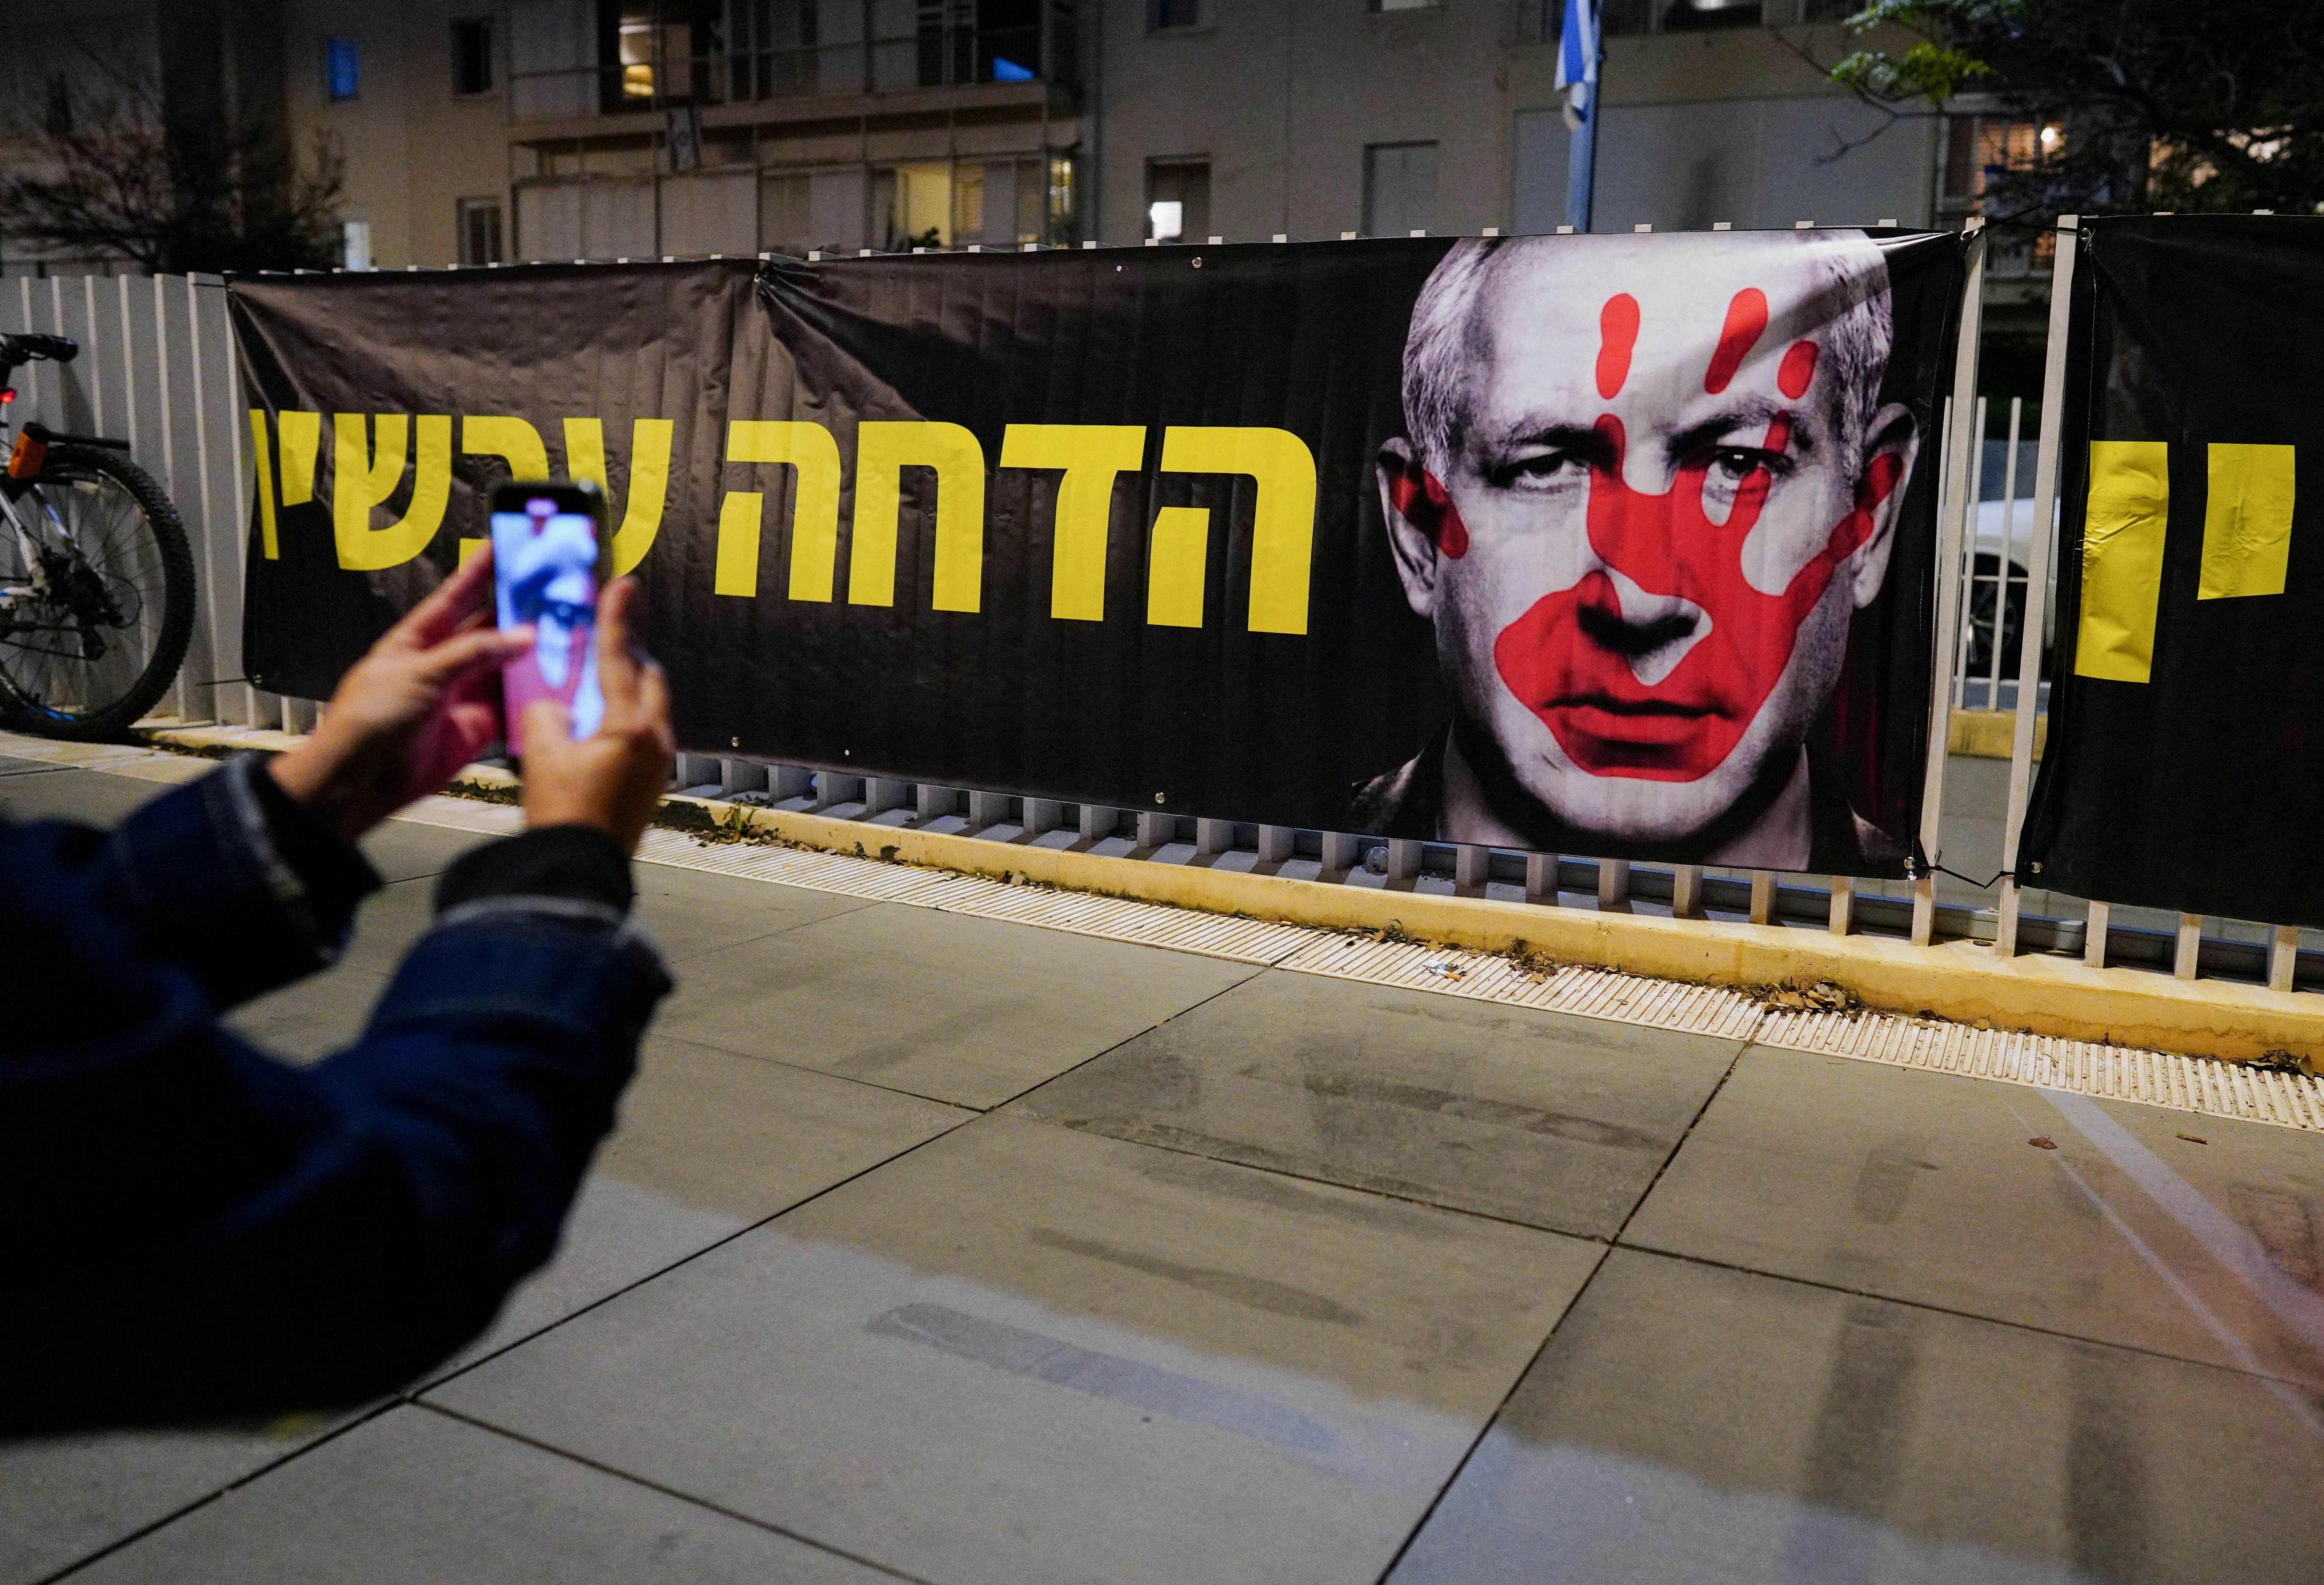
(2187, 950)
(1686, 891)
(1403, 858)
(1951, 511)
(2037, 584)
(1541, 879)
(2282, 957)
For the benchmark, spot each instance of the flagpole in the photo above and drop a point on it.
(1581, 28)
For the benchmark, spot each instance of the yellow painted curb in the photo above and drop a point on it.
(1961, 981)
(1987, 735)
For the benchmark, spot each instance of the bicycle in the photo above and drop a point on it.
(97, 579)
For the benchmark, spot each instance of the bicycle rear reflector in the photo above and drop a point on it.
(24, 462)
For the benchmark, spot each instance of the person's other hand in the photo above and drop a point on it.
(615, 780)
(407, 716)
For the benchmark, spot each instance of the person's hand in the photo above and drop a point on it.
(407, 716)
(615, 780)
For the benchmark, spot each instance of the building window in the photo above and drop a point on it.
(1162, 15)
(1400, 188)
(1695, 15)
(1682, 17)
(1404, 4)
(656, 52)
(480, 231)
(1177, 199)
(1539, 20)
(340, 80)
(1979, 148)
(472, 56)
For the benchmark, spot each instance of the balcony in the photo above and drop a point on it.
(771, 53)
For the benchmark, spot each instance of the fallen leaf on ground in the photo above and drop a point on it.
(2042, 1142)
(2194, 1139)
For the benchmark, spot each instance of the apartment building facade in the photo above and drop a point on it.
(477, 132)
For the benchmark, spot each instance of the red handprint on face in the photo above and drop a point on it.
(1573, 658)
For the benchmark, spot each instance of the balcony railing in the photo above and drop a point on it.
(936, 56)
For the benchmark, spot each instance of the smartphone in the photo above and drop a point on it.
(550, 557)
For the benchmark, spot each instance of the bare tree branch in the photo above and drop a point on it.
(117, 181)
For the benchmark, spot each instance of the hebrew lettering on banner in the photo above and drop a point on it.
(2184, 767)
(1620, 546)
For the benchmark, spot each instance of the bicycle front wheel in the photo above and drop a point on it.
(96, 598)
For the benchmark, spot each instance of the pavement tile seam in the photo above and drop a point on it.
(1484, 1431)
(1425, 1204)
(414, 1394)
(707, 1042)
(700, 1044)
(2168, 1079)
(691, 1499)
(97, 1554)
(2262, 1374)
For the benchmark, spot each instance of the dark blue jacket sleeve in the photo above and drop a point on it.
(206, 1233)
(226, 877)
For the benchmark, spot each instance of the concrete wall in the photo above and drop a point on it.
(1760, 163)
(1283, 98)
(413, 148)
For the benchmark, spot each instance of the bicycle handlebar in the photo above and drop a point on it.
(28, 348)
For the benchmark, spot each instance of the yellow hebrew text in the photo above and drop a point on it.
(1176, 567)
(299, 436)
(649, 449)
(514, 440)
(1283, 523)
(2246, 522)
(815, 507)
(738, 517)
(883, 449)
(269, 541)
(1092, 455)
(2122, 559)
(362, 480)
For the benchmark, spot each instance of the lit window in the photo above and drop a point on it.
(1177, 199)
(339, 76)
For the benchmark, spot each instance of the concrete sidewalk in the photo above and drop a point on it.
(939, 1247)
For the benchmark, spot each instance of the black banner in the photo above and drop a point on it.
(1618, 546)
(2187, 714)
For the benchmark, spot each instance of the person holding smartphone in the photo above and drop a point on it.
(202, 1231)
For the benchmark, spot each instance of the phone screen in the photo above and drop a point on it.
(545, 574)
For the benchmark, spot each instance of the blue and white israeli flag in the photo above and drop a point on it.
(1577, 59)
